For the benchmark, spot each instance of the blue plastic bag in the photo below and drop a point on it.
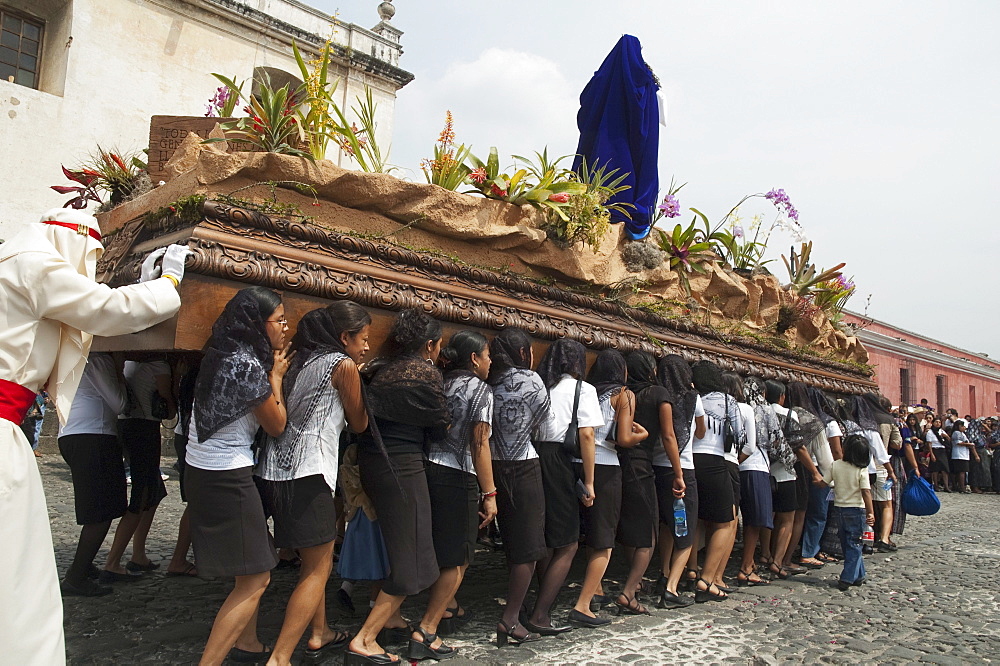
(919, 498)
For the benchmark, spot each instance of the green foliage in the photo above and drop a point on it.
(688, 251)
(314, 114)
(360, 144)
(271, 126)
(551, 192)
(802, 274)
(448, 168)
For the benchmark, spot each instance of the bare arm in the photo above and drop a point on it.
(629, 433)
(271, 414)
(483, 463)
(587, 454)
(835, 448)
(866, 494)
(699, 427)
(669, 439)
(347, 381)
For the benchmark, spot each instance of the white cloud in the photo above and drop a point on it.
(514, 100)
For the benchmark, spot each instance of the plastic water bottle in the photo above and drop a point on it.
(680, 518)
(887, 486)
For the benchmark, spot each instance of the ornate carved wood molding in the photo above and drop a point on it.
(246, 246)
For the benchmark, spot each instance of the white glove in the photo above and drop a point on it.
(173, 261)
(149, 270)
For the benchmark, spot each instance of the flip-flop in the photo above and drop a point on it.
(247, 657)
(189, 570)
(135, 566)
(338, 642)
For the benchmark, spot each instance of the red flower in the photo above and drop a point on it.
(497, 192)
(478, 175)
(559, 197)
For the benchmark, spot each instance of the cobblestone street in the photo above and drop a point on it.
(934, 601)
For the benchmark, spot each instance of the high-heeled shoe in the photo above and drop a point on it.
(546, 631)
(599, 601)
(393, 635)
(506, 635)
(423, 649)
(631, 606)
(450, 625)
(660, 586)
(670, 600)
(352, 658)
(747, 582)
(687, 583)
(701, 596)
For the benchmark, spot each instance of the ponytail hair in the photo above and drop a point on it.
(458, 354)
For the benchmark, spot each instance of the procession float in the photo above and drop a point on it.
(484, 244)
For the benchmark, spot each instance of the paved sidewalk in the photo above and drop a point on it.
(937, 600)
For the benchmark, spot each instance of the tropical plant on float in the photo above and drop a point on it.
(687, 251)
(270, 125)
(447, 168)
(588, 215)
(831, 297)
(803, 276)
(550, 191)
(222, 103)
(120, 176)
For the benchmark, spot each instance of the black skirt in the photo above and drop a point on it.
(756, 503)
(784, 497)
(95, 463)
(665, 500)
(600, 521)
(639, 519)
(228, 527)
(454, 514)
(521, 509)
(941, 461)
(734, 478)
(562, 512)
(303, 511)
(180, 448)
(802, 488)
(142, 443)
(715, 488)
(403, 505)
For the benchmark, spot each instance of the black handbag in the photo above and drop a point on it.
(159, 408)
(728, 433)
(571, 442)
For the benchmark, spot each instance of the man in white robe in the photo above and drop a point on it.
(50, 307)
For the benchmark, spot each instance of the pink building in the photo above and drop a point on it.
(909, 366)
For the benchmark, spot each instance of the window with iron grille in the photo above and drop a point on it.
(905, 388)
(20, 48)
(942, 394)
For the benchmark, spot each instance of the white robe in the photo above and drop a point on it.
(49, 308)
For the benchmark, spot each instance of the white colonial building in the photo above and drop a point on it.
(75, 74)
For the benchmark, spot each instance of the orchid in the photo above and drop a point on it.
(671, 206)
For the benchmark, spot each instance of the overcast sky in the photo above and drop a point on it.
(880, 119)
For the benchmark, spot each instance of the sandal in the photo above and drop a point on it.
(352, 658)
(631, 606)
(459, 618)
(687, 583)
(247, 657)
(189, 570)
(747, 581)
(423, 649)
(811, 563)
(507, 635)
(823, 557)
(701, 596)
(135, 566)
(339, 640)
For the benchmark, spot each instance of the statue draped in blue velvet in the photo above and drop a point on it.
(619, 129)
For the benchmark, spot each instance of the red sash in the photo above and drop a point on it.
(15, 400)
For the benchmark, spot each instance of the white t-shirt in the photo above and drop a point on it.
(833, 430)
(98, 401)
(757, 460)
(588, 413)
(141, 378)
(715, 406)
(228, 448)
(687, 454)
(933, 439)
(605, 452)
(777, 469)
(877, 447)
(959, 452)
